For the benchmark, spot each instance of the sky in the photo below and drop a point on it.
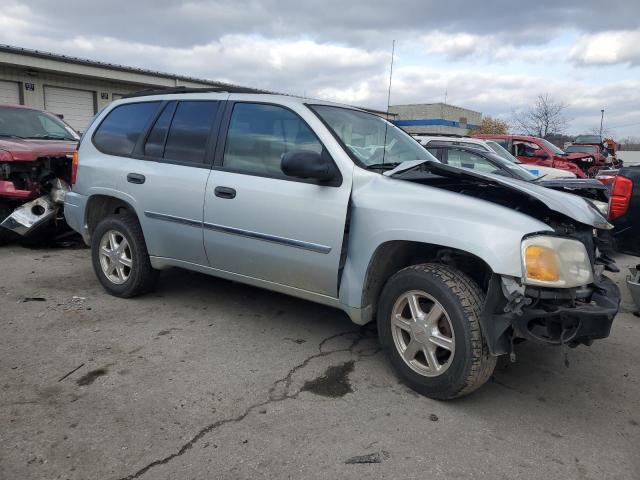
(493, 56)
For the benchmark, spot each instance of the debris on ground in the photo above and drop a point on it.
(376, 457)
(72, 371)
(32, 299)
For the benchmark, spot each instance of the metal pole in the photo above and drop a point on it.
(601, 118)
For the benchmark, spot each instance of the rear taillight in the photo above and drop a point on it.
(620, 197)
(74, 168)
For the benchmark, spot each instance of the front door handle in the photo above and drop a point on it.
(225, 192)
(136, 178)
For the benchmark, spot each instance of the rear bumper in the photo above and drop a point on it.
(74, 213)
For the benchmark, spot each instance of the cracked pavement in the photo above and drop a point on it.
(207, 378)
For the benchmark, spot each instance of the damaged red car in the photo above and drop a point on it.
(36, 160)
(538, 151)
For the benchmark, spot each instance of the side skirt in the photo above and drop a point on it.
(354, 314)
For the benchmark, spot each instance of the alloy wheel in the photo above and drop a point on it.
(116, 259)
(422, 333)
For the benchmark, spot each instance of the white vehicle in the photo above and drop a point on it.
(494, 147)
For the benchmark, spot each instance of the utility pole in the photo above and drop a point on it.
(601, 119)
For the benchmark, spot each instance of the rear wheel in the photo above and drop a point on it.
(119, 256)
(428, 323)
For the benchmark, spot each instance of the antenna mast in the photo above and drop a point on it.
(386, 125)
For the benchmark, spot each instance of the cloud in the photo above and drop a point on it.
(357, 22)
(607, 48)
(491, 56)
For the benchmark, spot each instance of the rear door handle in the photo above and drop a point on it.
(136, 178)
(225, 192)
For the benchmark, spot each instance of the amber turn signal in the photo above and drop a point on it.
(541, 264)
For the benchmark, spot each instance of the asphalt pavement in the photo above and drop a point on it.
(206, 378)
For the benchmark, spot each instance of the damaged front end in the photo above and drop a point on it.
(563, 297)
(32, 193)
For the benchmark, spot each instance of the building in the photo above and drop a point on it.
(435, 119)
(73, 87)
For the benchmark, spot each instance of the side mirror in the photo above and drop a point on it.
(307, 164)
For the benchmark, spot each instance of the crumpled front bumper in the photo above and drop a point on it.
(583, 321)
(547, 316)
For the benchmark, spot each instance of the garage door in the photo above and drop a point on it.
(9, 92)
(76, 106)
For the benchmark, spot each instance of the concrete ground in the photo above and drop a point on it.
(211, 379)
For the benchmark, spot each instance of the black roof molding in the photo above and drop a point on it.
(166, 91)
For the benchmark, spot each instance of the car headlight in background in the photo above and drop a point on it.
(555, 262)
(588, 159)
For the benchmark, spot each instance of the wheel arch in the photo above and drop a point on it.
(392, 256)
(100, 206)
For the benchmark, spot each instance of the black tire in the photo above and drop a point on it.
(6, 236)
(471, 364)
(142, 277)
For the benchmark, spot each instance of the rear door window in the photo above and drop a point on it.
(120, 130)
(181, 132)
(187, 138)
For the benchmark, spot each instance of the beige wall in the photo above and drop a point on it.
(27, 69)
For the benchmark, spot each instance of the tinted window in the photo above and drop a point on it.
(119, 132)
(155, 142)
(189, 131)
(259, 135)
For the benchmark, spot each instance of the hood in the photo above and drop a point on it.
(28, 150)
(577, 155)
(567, 204)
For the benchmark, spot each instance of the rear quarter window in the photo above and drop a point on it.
(121, 128)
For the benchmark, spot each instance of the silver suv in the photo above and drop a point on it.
(335, 205)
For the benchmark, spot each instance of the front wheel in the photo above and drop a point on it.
(119, 256)
(428, 323)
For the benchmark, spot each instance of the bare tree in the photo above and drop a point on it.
(546, 116)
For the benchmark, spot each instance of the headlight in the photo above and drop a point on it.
(588, 159)
(555, 262)
(602, 207)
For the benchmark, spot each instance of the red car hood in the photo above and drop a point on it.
(577, 155)
(28, 150)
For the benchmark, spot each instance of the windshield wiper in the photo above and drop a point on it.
(383, 166)
(10, 136)
(50, 137)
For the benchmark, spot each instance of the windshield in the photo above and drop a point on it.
(363, 135)
(588, 139)
(581, 149)
(552, 147)
(500, 150)
(26, 123)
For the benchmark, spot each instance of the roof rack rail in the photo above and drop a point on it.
(164, 91)
(456, 135)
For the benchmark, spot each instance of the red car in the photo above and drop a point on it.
(603, 157)
(36, 152)
(538, 151)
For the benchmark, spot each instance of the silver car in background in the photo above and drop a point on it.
(337, 206)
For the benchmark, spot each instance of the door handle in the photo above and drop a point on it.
(136, 178)
(225, 192)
